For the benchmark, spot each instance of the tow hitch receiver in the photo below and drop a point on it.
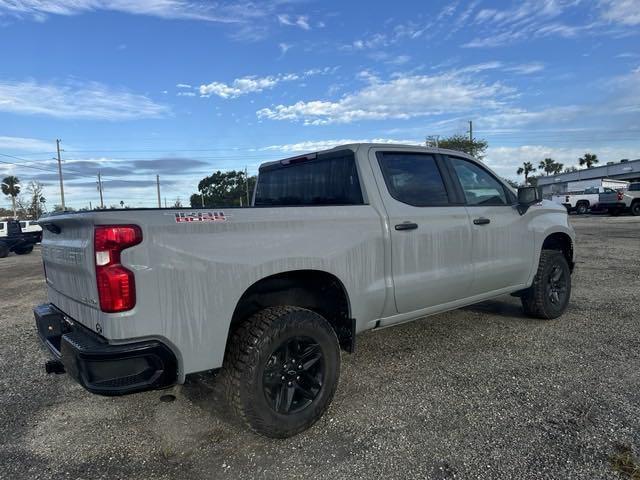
(54, 366)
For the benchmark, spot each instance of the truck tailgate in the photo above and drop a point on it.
(67, 253)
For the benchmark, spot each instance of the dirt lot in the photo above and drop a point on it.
(477, 393)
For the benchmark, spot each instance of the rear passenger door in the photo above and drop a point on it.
(502, 247)
(430, 233)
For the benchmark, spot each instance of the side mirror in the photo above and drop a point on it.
(527, 196)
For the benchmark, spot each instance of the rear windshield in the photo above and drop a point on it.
(330, 179)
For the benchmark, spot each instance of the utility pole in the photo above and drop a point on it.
(202, 198)
(158, 188)
(470, 130)
(60, 175)
(165, 202)
(90, 206)
(246, 183)
(100, 190)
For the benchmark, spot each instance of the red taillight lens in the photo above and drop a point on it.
(620, 196)
(116, 284)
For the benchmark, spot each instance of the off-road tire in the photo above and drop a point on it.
(635, 208)
(4, 250)
(24, 250)
(536, 301)
(253, 345)
(582, 208)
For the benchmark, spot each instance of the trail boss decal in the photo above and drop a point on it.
(182, 217)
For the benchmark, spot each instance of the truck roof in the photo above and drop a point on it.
(356, 146)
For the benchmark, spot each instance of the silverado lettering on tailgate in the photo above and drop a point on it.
(63, 255)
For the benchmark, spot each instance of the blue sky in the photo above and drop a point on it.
(181, 88)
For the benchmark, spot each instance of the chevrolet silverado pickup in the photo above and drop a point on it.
(622, 201)
(356, 238)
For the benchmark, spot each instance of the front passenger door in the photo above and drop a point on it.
(502, 246)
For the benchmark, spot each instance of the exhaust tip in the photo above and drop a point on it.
(54, 366)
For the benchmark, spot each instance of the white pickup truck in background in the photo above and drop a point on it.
(591, 199)
(338, 242)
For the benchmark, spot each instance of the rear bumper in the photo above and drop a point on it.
(98, 366)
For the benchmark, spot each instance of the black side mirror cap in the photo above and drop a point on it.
(527, 196)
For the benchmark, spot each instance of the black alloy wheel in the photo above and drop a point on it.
(293, 375)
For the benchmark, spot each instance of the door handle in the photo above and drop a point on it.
(406, 226)
(481, 221)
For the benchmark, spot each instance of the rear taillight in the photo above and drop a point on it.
(620, 196)
(116, 284)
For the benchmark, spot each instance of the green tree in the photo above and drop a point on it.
(11, 188)
(557, 168)
(476, 147)
(526, 169)
(548, 165)
(570, 169)
(589, 159)
(223, 189)
(36, 206)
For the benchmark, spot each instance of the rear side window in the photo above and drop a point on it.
(634, 187)
(413, 178)
(23, 224)
(478, 185)
(1, 226)
(330, 179)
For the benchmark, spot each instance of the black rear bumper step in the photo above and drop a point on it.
(98, 366)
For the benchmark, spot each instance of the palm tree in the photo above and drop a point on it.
(526, 168)
(548, 165)
(589, 159)
(11, 188)
(557, 168)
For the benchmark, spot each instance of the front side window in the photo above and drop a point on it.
(330, 179)
(413, 178)
(23, 224)
(478, 185)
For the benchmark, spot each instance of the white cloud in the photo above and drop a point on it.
(399, 98)
(240, 86)
(284, 48)
(526, 68)
(183, 85)
(170, 9)
(528, 19)
(90, 100)
(252, 84)
(186, 94)
(317, 145)
(26, 144)
(301, 21)
(626, 12)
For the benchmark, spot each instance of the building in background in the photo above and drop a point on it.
(628, 170)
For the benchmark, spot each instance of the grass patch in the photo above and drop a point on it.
(625, 463)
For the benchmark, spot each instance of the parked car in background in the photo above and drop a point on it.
(31, 226)
(589, 199)
(15, 240)
(360, 237)
(26, 226)
(622, 201)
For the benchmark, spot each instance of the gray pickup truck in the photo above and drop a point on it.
(338, 242)
(622, 201)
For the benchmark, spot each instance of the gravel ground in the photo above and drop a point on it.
(482, 392)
